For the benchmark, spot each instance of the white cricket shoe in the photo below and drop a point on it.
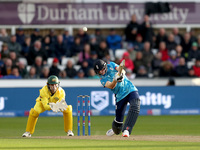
(110, 132)
(125, 133)
(70, 133)
(26, 134)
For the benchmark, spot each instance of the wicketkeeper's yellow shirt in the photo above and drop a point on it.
(46, 97)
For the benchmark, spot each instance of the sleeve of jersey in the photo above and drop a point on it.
(44, 98)
(62, 94)
(114, 65)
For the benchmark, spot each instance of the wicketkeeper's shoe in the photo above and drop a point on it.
(125, 133)
(70, 133)
(26, 134)
(110, 132)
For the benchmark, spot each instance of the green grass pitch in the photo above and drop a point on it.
(50, 135)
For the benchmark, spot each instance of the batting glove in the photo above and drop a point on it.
(119, 78)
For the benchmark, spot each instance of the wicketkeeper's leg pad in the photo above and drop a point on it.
(32, 120)
(117, 127)
(68, 119)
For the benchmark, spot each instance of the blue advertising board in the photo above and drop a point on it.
(173, 100)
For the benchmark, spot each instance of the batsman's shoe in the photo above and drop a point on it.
(70, 133)
(110, 132)
(26, 134)
(125, 133)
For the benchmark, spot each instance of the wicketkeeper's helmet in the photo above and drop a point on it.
(99, 65)
(53, 80)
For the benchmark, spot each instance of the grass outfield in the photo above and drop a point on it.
(149, 133)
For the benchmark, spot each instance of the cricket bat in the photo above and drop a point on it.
(121, 66)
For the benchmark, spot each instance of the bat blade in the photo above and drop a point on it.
(121, 66)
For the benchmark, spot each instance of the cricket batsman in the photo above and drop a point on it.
(52, 97)
(113, 76)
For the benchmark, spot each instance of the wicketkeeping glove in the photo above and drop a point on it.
(54, 107)
(119, 78)
(62, 105)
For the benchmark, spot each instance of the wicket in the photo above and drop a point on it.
(79, 99)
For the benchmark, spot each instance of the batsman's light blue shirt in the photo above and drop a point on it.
(122, 89)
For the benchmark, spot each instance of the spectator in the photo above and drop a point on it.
(59, 48)
(164, 51)
(76, 47)
(156, 64)
(20, 36)
(14, 58)
(45, 72)
(194, 53)
(32, 73)
(93, 43)
(181, 70)
(70, 70)
(52, 36)
(166, 69)
(131, 29)
(14, 74)
(138, 44)
(46, 45)
(186, 44)
(99, 36)
(36, 50)
(22, 69)
(84, 37)
(128, 62)
(179, 50)
(147, 56)
(138, 61)
(161, 37)
(147, 30)
(131, 51)
(5, 51)
(191, 72)
(35, 36)
(129, 74)
(103, 50)
(113, 40)
(38, 65)
(173, 58)
(171, 44)
(67, 38)
(192, 35)
(177, 36)
(85, 67)
(7, 68)
(4, 37)
(92, 74)
(14, 46)
(26, 46)
(80, 74)
(142, 72)
(93, 58)
(85, 54)
(54, 70)
(196, 68)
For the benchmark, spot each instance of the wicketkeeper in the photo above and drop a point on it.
(52, 97)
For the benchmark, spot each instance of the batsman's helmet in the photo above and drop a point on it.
(99, 65)
(53, 80)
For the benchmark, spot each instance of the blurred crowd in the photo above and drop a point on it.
(147, 54)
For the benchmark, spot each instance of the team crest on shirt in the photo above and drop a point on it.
(56, 98)
(111, 68)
